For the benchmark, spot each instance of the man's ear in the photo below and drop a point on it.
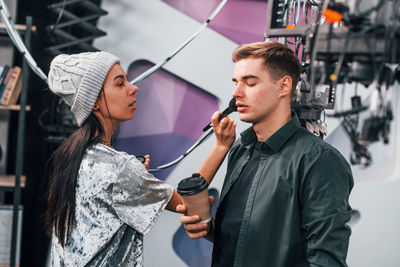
(285, 86)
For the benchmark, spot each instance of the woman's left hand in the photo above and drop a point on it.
(224, 130)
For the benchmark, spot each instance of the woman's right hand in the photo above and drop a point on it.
(146, 161)
(224, 130)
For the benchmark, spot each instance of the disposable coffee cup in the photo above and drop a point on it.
(194, 193)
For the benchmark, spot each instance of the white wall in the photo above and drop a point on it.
(375, 237)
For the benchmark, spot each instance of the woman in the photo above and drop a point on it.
(101, 201)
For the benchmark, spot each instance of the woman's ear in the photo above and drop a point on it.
(96, 106)
(285, 86)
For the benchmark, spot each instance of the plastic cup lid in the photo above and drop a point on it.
(192, 185)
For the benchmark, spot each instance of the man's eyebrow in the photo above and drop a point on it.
(246, 77)
(119, 76)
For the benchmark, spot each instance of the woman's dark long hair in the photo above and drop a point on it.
(63, 167)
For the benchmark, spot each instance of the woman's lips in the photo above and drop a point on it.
(132, 105)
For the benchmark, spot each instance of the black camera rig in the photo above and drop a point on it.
(342, 42)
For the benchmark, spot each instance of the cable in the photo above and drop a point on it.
(41, 115)
(297, 12)
(341, 59)
(202, 139)
(313, 3)
(150, 71)
(286, 10)
(17, 40)
(305, 12)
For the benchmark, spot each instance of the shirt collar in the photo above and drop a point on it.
(248, 136)
(278, 139)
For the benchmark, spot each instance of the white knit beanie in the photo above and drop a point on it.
(79, 78)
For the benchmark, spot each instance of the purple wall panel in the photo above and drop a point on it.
(162, 148)
(170, 117)
(242, 21)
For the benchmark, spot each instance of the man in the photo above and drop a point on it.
(284, 201)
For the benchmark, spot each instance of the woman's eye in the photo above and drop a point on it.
(121, 84)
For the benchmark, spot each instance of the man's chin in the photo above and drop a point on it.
(245, 118)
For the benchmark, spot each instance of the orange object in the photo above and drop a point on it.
(290, 27)
(333, 77)
(332, 16)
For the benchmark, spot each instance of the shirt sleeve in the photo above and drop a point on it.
(326, 185)
(138, 197)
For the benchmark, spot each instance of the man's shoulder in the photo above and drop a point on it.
(314, 146)
(235, 148)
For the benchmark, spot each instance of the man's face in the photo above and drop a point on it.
(256, 92)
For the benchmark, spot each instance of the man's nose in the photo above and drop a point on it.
(238, 91)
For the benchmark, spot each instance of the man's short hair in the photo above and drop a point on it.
(280, 60)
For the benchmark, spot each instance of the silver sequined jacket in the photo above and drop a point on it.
(117, 202)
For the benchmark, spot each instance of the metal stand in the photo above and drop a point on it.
(20, 146)
(74, 30)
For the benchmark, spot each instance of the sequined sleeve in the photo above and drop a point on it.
(138, 197)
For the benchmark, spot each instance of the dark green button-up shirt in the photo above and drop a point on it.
(297, 207)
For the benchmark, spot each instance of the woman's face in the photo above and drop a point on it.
(117, 100)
